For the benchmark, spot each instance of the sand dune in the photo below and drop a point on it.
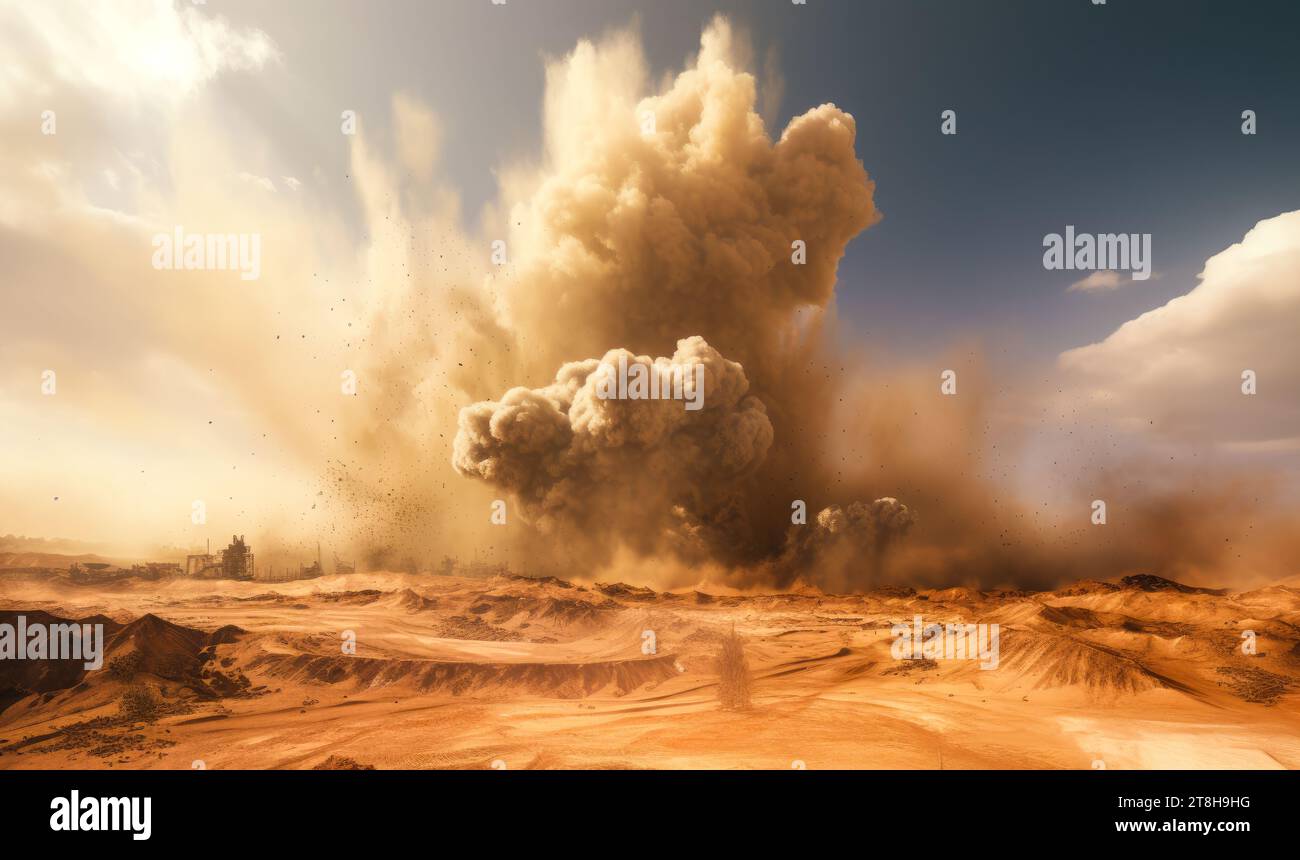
(456, 672)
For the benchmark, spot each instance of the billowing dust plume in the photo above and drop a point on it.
(661, 220)
(670, 224)
(604, 471)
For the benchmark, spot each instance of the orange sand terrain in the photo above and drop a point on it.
(515, 673)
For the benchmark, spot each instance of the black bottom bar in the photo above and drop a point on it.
(537, 809)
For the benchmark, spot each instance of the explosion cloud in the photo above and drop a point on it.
(846, 546)
(586, 467)
(670, 218)
(674, 219)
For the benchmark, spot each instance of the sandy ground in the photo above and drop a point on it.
(512, 673)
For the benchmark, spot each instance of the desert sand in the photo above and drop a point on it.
(516, 673)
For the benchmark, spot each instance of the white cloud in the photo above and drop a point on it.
(147, 49)
(1178, 369)
(1097, 282)
(1105, 281)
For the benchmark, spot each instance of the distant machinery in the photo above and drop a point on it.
(313, 570)
(237, 560)
(234, 562)
(195, 565)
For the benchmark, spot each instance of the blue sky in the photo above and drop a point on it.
(1123, 117)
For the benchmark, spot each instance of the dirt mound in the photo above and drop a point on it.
(561, 611)
(1085, 587)
(473, 628)
(1071, 616)
(1162, 629)
(544, 580)
(623, 591)
(21, 678)
(1044, 661)
(362, 597)
(1149, 582)
(958, 594)
(227, 635)
(558, 680)
(1280, 598)
(415, 602)
(342, 762)
(907, 667)
(894, 591)
(164, 649)
(153, 646)
(149, 646)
